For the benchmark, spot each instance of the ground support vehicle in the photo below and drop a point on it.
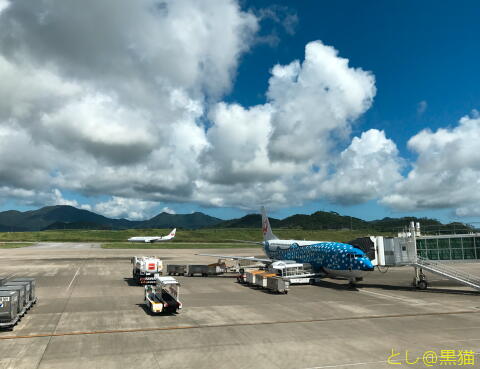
(146, 269)
(278, 284)
(295, 273)
(8, 309)
(164, 296)
(242, 277)
(176, 269)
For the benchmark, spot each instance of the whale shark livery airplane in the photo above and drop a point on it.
(154, 238)
(330, 258)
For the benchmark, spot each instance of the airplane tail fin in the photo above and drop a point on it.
(266, 229)
(172, 234)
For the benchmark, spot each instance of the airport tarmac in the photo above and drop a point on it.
(89, 315)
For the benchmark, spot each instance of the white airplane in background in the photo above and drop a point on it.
(154, 238)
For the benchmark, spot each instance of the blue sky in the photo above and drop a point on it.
(419, 51)
(185, 108)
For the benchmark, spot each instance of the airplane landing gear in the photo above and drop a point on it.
(352, 284)
(420, 280)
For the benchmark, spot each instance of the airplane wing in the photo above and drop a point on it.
(251, 242)
(233, 257)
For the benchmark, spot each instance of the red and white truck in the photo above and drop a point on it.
(146, 269)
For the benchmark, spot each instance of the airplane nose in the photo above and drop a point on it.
(367, 265)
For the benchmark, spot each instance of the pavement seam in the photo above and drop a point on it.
(136, 330)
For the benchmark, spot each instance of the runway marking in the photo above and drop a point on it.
(75, 276)
(135, 330)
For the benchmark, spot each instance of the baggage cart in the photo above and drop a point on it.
(250, 276)
(164, 296)
(176, 269)
(32, 281)
(278, 284)
(8, 308)
(194, 269)
(21, 306)
(261, 278)
(26, 285)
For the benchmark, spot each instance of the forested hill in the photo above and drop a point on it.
(69, 217)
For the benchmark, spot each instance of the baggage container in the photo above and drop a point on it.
(32, 282)
(26, 285)
(176, 269)
(8, 308)
(261, 278)
(250, 276)
(197, 269)
(22, 307)
(215, 269)
(278, 284)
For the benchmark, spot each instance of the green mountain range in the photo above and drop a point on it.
(69, 217)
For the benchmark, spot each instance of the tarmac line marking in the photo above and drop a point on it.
(404, 299)
(136, 330)
(75, 276)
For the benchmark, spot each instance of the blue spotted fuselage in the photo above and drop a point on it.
(330, 257)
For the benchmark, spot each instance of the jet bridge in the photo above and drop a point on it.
(425, 253)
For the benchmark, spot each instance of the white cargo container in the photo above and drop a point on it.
(22, 307)
(8, 308)
(33, 283)
(278, 284)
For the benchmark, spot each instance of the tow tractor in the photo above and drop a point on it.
(163, 297)
(146, 269)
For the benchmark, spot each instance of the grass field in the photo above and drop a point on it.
(14, 245)
(200, 235)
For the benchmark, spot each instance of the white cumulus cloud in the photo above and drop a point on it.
(123, 99)
(446, 173)
(367, 169)
(119, 207)
(279, 152)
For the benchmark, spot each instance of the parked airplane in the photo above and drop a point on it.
(153, 238)
(330, 258)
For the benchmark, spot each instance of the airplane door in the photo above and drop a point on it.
(350, 262)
